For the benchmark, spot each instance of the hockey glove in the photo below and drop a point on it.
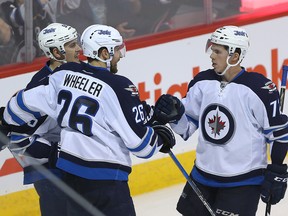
(3, 133)
(4, 130)
(148, 113)
(275, 183)
(168, 109)
(166, 135)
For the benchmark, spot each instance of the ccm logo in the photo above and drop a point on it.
(225, 213)
(279, 179)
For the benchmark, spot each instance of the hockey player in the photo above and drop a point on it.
(35, 143)
(237, 113)
(102, 121)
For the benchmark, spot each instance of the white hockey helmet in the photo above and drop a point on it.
(231, 36)
(56, 35)
(97, 36)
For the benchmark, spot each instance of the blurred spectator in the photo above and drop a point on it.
(12, 14)
(132, 18)
(122, 15)
(59, 7)
(224, 8)
(6, 42)
(5, 32)
(221, 8)
(77, 13)
(140, 17)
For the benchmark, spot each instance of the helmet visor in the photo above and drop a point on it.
(208, 46)
(122, 49)
(79, 40)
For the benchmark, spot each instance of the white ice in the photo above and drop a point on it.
(163, 203)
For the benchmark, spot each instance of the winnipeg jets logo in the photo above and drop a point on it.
(133, 90)
(270, 86)
(217, 124)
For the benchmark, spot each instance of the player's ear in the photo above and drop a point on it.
(56, 53)
(234, 58)
(104, 54)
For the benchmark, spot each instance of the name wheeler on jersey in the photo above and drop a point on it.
(101, 117)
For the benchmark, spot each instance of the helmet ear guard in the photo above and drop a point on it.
(56, 35)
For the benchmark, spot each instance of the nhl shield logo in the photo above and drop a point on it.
(217, 124)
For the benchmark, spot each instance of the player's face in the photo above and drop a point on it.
(219, 57)
(72, 50)
(115, 60)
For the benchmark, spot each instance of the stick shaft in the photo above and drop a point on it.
(268, 209)
(282, 98)
(283, 86)
(192, 183)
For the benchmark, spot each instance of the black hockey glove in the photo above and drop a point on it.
(275, 183)
(166, 135)
(4, 130)
(148, 113)
(3, 136)
(168, 109)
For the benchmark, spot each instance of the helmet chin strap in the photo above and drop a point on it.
(61, 61)
(228, 66)
(108, 64)
(107, 61)
(64, 61)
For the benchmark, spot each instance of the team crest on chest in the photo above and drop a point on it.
(218, 124)
(133, 90)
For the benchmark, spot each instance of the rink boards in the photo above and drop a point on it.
(155, 67)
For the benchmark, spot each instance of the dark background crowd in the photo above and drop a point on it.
(132, 18)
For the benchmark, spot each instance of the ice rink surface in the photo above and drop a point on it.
(163, 203)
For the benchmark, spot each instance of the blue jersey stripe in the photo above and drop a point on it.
(31, 176)
(21, 104)
(146, 141)
(258, 180)
(150, 154)
(14, 117)
(194, 121)
(15, 138)
(92, 173)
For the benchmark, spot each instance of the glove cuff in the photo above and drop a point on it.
(276, 168)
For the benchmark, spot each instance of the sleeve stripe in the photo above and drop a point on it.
(21, 104)
(194, 121)
(14, 117)
(150, 154)
(17, 138)
(146, 141)
(275, 128)
(280, 138)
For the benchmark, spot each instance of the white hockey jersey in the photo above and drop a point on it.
(101, 117)
(35, 143)
(235, 121)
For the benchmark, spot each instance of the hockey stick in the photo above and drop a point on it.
(268, 209)
(89, 208)
(192, 183)
(282, 97)
(283, 86)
